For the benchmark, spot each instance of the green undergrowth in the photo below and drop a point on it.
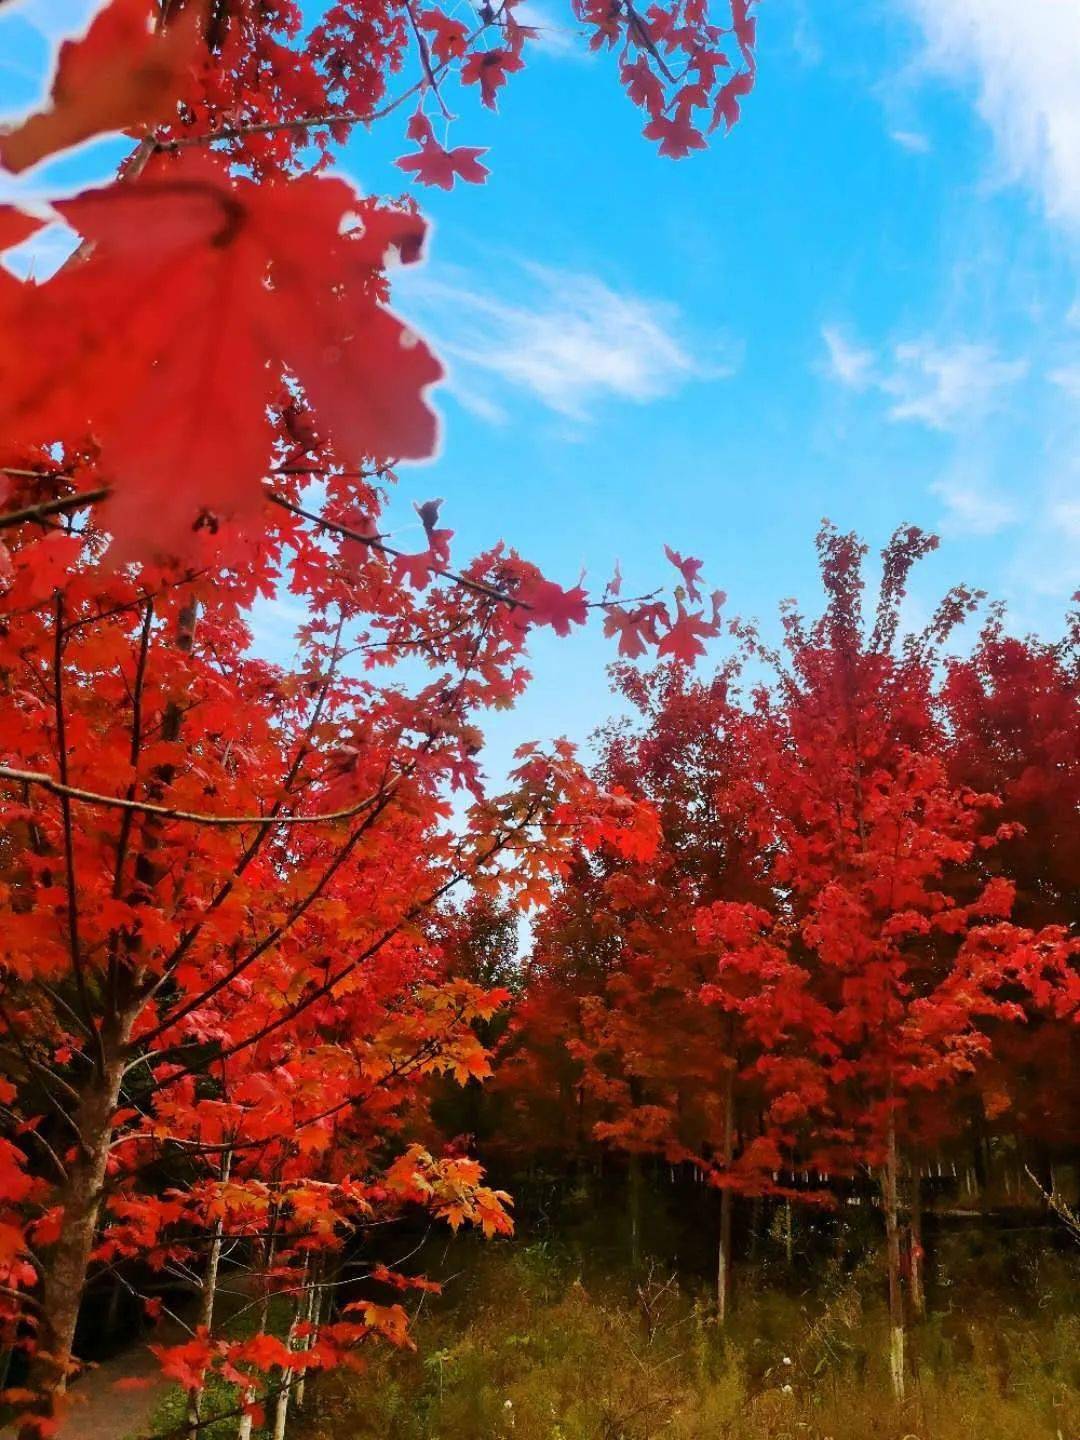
(527, 1344)
(219, 1398)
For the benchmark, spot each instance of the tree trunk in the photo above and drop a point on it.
(889, 1188)
(64, 1277)
(251, 1394)
(206, 1303)
(918, 1289)
(281, 1408)
(65, 1266)
(634, 1204)
(313, 1315)
(723, 1249)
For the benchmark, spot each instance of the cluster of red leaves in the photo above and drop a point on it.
(674, 61)
(855, 899)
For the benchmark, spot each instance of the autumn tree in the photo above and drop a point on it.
(668, 1043)
(875, 849)
(1010, 708)
(653, 1018)
(218, 990)
(820, 960)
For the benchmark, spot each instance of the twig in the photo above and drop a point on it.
(1059, 1206)
(329, 117)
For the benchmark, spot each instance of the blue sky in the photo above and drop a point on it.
(864, 303)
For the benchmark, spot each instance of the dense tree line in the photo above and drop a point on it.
(853, 953)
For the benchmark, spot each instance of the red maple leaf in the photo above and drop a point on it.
(635, 628)
(125, 71)
(489, 69)
(176, 390)
(745, 27)
(688, 568)
(684, 640)
(677, 136)
(643, 87)
(432, 165)
(726, 106)
(187, 1363)
(15, 227)
(449, 38)
(550, 604)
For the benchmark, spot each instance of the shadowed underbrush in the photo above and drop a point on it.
(525, 1345)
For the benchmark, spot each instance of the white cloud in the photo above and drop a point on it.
(808, 48)
(849, 363)
(553, 36)
(972, 507)
(912, 140)
(1065, 516)
(946, 385)
(53, 19)
(1025, 61)
(942, 385)
(572, 343)
(1067, 378)
(1044, 564)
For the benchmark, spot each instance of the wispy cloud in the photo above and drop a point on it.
(972, 506)
(913, 140)
(553, 35)
(1025, 62)
(808, 48)
(945, 386)
(53, 19)
(1067, 378)
(1045, 564)
(1065, 514)
(569, 341)
(846, 361)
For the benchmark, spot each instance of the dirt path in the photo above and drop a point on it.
(101, 1412)
(97, 1410)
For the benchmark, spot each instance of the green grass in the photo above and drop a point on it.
(220, 1397)
(523, 1347)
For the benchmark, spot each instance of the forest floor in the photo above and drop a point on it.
(529, 1345)
(555, 1336)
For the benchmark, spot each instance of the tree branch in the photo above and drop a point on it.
(67, 793)
(69, 836)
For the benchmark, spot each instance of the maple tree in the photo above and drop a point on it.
(222, 997)
(260, 919)
(664, 1042)
(1010, 708)
(821, 958)
(907, 949)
